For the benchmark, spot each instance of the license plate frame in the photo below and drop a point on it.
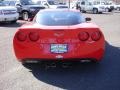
(59, 48)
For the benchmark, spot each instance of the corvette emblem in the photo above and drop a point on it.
(58, 34)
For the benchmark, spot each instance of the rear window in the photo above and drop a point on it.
(59, 18)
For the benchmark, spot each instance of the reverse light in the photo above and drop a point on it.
(96, 36)
(33, 36)
(21, 36)
(83, 36)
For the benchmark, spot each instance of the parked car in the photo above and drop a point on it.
(117, 7)
(109, 6)
(94, 6)
(26, 8)
(8, 14)
(59, 34)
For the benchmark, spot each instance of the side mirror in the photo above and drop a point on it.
(88, 19)
(18, 5)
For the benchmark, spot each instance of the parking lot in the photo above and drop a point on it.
(84, 76)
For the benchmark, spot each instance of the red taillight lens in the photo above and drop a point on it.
(21, 36)
(33, 36)
(96, 36)
(83, 36)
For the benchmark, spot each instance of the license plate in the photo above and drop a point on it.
(59, 48)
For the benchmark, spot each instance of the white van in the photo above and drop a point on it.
(94, 6)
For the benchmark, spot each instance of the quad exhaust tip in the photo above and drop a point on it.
(54, 65)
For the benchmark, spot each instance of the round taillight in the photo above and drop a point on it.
(33, 36)
(21, 36)
(83, 36)
(96, 36)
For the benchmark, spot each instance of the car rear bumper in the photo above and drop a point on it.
(75, 52)
(12, 17)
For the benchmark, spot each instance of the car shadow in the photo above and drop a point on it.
(14, 25)
(84, 76)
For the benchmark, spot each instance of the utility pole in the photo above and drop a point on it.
(69, 4)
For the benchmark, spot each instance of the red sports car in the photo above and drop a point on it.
(64, 35)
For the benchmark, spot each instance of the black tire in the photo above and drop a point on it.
(95, 10)
(25, 15)
(27, 65)
(95, 61)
